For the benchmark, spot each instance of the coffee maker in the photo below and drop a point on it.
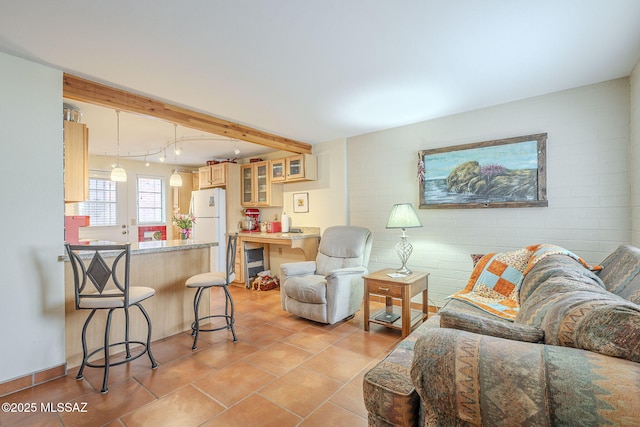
(252, 219)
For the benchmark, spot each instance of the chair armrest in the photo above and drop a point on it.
(347, 271)
(298, 268)
(456, 373)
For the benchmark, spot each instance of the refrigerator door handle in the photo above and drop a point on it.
(191, 203)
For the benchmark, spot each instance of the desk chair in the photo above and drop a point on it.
(204, 281)
(110, 291)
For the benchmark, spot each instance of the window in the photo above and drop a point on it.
(150, 200)
(101, 206)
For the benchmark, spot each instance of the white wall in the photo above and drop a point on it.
(31, 218)
(634, 157)
(327, 195)
(588, 183)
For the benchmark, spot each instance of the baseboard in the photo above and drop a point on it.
(32, 380)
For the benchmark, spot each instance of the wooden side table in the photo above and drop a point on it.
(402, 288)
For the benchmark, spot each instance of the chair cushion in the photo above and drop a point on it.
(581, 315)
(309, 289)
(343, 246)
(136, 294)
(206, 280)
(621, 273)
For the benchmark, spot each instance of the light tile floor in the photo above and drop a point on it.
(283, 371)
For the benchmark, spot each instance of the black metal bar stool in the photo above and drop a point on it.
(110, 293)
(204, 281)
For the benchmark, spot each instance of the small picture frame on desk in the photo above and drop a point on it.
(300, 202)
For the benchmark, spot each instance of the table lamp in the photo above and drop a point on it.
(403, 216)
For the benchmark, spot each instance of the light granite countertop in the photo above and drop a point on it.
(155, 246)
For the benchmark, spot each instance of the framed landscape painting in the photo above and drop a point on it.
(502, 173)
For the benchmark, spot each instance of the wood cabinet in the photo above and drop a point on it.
(301, 167)
(256, 187)
(76, 162)
(226, 175)
(213, 176)
(278, 168)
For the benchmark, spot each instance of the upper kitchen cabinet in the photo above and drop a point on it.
(301, 167)
(256, 187)
(76, 162)
(216, 175)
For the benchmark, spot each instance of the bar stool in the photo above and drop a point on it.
(112, 293)
(204, 281)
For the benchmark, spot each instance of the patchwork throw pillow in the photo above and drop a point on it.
(495, 282)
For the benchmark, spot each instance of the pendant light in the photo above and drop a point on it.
(176, 179)
(118, 174)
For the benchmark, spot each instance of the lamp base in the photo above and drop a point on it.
(404, 270)
(404, 249)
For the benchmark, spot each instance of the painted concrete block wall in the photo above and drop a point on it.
(31, 218)
(634, 157)
(587, 175)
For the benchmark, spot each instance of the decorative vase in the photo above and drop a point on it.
(185, 233)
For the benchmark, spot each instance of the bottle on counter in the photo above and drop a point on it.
(285, 222)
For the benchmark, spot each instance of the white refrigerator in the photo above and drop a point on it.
(209, 207)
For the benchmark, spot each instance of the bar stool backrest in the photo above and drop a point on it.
(108, 279)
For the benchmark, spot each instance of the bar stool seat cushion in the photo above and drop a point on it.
(206, 280)
(136, 294)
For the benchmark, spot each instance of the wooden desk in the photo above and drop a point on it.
(403, 288)
(307, 242)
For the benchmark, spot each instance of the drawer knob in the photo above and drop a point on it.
(384, 289)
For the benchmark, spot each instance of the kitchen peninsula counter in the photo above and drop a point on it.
(154, 246)
(161, 265)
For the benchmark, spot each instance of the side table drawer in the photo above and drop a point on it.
(384, 288)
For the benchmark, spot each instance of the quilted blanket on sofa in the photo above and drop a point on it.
(495, 282)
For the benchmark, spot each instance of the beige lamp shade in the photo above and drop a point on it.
(403, 215)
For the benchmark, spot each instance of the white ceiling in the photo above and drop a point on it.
(318, 70)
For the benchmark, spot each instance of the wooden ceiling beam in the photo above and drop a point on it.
(80, 89)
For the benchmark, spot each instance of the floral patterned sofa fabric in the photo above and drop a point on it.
(574, 310)
(389, 394)
(472, 379)
(571, 355)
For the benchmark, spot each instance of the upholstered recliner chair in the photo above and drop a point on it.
(330, 288)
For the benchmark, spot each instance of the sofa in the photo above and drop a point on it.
(569, 356)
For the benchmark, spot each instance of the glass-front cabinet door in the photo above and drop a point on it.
(255, 184)
(247, 184)
(277, 170)
(262, 183)
(295, 167)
